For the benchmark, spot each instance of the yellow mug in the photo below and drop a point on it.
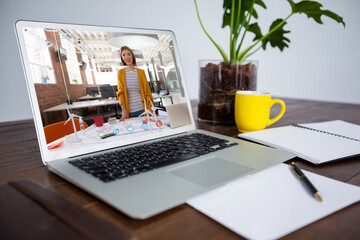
(252, 110)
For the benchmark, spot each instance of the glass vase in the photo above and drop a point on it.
(219, 82)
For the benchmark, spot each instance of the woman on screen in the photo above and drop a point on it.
(133, 87)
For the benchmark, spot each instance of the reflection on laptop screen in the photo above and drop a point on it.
(71, 73)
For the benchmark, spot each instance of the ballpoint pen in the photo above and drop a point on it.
(307, 182)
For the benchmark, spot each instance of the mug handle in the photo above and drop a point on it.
(282, 104)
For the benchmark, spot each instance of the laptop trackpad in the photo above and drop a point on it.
(211, 171)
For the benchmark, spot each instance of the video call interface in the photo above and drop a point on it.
(74, 73)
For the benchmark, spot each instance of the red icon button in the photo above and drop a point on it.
(158, 123)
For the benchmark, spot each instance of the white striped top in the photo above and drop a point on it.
(133, 91)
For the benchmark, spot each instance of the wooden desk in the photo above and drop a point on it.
(80, 105)
(89, 97)
(20, 159)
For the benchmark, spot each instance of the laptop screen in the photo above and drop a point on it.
(76, 80)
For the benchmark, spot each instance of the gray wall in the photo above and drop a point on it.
(322, 62)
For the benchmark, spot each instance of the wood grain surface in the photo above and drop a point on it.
(20, 159)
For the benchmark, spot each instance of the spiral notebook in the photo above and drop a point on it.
(315, 142)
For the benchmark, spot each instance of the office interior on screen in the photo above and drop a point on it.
(77, 70)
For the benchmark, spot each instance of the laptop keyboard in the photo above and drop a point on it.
(134, 160)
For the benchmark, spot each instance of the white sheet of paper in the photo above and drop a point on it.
(273, 203)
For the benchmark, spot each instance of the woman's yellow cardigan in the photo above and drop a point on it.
(144, 89)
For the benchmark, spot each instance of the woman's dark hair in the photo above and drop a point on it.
(127, 48)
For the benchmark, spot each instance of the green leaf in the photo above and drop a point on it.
(277, 38)
(245, 9)
(254, 28)
(312, 10)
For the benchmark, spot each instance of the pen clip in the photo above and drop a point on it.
(297, 171)
(293, 169)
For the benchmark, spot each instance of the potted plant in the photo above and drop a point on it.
(44, 74)
(74, 81)
(44, 78)
(69, 101)
(220, 80)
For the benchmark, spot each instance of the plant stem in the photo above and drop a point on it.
(241, 57)
(243, 36)
(236, 30)
(232, 16)
(248, 55)
(242, 24)
(238, 34)
(238, 19)
(216, 45)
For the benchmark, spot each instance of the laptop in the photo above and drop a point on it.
(142, 166)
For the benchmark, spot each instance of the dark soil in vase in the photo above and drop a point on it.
(218, 85)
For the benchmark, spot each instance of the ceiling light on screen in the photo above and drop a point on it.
(133, 41)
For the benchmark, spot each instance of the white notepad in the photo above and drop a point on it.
(273, 203)
(314, 142)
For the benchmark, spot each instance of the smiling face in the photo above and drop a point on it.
(127, 57)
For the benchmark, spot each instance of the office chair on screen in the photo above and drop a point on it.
(58, 130)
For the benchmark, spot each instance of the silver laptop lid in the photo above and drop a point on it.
(79, 63)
